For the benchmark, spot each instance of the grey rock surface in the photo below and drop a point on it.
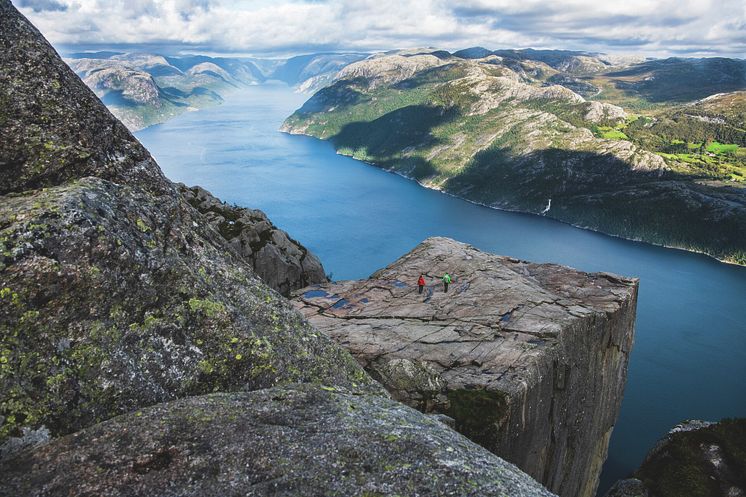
(300, 440)
(52, 127)
(281, 262)
(696, 459)
(529, 359)
(115, 293)
(630, 487)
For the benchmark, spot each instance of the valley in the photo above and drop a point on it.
(143, 89)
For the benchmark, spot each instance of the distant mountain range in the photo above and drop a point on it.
(143, 89)
(652, 150)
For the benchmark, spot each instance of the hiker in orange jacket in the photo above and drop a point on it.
(421, 283)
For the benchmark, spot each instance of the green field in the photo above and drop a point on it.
(723, 161)
(610, 133)
(722, 148)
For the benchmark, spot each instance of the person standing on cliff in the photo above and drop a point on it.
(446, 281)
(421, 284)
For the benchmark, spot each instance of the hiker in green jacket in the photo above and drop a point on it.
(446, 281)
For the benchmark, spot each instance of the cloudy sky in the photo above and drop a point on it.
(647, 27)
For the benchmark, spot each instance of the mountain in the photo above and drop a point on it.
(510, 129)
(143, 89)
(312, 72)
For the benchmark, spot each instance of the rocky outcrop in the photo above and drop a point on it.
(602, 112)
(696, 459)
(300, 440)
(529, 359)
(116, 293)
(53, 128)
(281, 262)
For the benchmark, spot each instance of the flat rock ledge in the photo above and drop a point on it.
(529, 359)
(298, 440)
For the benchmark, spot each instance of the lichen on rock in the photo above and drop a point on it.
(112, 302)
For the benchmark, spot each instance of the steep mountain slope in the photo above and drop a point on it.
(497, 130)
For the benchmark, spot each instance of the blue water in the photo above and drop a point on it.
(689, 358)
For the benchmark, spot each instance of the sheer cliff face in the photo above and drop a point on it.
(530, 360)
(116, 293)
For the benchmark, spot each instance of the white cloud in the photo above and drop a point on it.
(651, 27)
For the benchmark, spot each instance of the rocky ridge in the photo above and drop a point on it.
(529, 359)
(281, 262)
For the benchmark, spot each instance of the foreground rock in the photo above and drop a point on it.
(530, 360)
(696, 459)
(115, 293)
(278, 260)
(292, 441)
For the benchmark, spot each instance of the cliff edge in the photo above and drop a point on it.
(529, 359)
